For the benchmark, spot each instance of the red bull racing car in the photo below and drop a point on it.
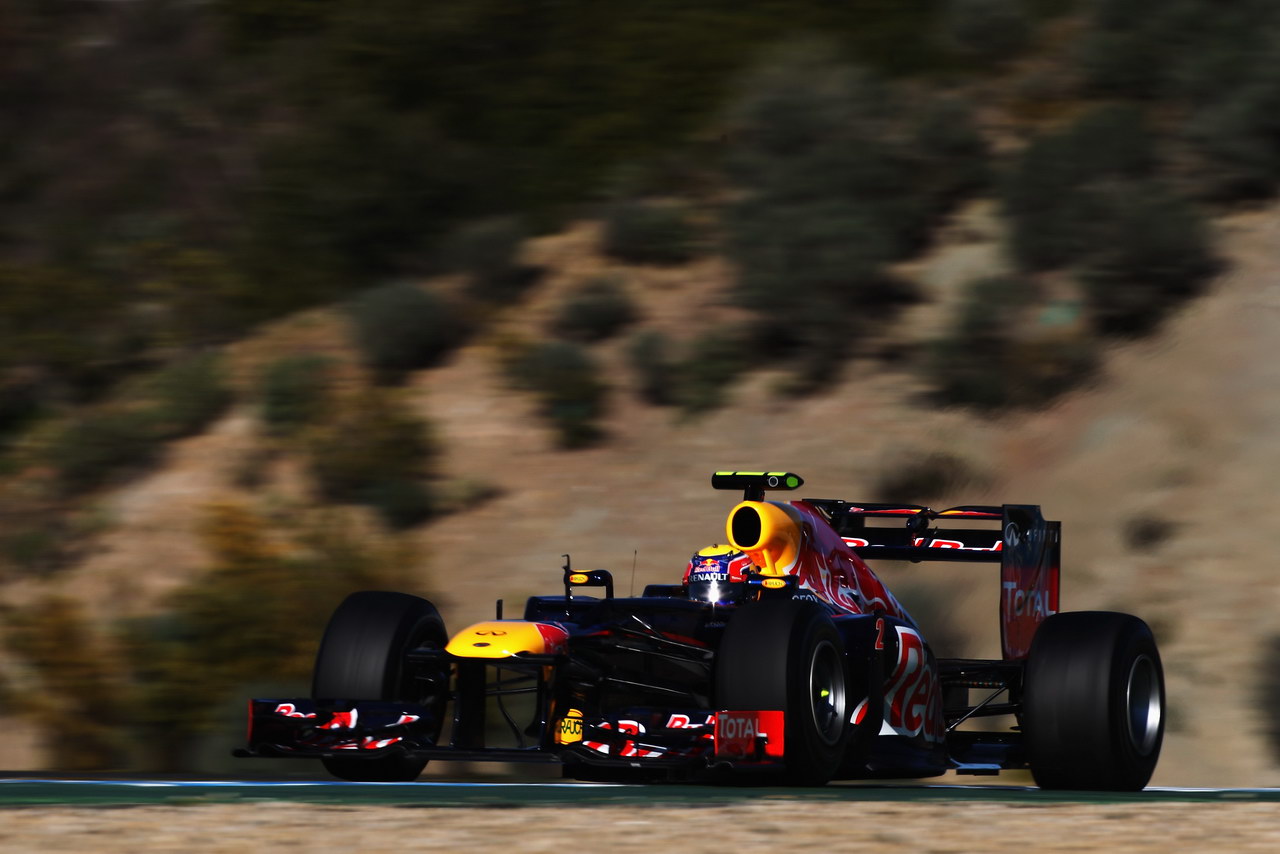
(780, 655)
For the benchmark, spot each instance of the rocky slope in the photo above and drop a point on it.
(1160, 472)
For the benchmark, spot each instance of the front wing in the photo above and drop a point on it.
(636, 738)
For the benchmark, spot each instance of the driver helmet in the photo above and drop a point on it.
(717, 575)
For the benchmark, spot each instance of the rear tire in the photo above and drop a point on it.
(787, 655)
(1093, 702)
(362, 657)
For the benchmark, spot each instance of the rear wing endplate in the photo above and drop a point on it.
(1026, 545)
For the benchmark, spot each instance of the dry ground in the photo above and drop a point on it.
(756, 827)
(1183, 428)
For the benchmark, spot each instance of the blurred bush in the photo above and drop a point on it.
(294, 391)
(837, 173)
(1157, 254)
(650, 232)
(489, 253)
(91, 447)
(934, 611)
(184, 396)
(568, 385)
(1089, 197)
(147, 693)
(59, 332)
(128, 431)
(72, 689)
(374, 450)
(952, 159)
(996, 354)
(1268, 693)
(712, 361)
(923, 477)
(695, 376)
(595, 310)
(655, 372)
(1052, 193)
(401, 327)
(988, 29)
(1189, 50)
(1210, 63)
(1237, 139)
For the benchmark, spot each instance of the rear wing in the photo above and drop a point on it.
(1026, 545)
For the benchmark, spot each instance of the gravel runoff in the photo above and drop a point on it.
(777, 826)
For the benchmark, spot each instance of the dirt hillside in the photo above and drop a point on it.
(1179, 432)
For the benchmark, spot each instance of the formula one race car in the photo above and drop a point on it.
(781, 654)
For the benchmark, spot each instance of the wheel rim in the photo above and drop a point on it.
(1142, 698)
(827, 692)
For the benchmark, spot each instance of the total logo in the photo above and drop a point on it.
(1021, 603)
(739, 726)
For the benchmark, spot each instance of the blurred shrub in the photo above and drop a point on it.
(129, 431)
(91, 447)
(75, 694)
(294, 392)
(199, 297)
(32, 549)
(988, 29)
(714, 359)
(596, 310)
(61, 326)
(1088, 197)
(649, 232)
(655, 371)
(994, 355)
(837, 173)
(401, 502)
(1191, 50)
(1268, 693)
(355, 192)
(455, 496)
(1052, 193)
(922, 478)
(952, 158)
(934, 611)
(1156, 255)
(489, 253)
(186, 395)
(1237, 138)
(401, 327)
(20, 402)
(375, 451)
(1145, 532)
(255, 616)
(568, 385)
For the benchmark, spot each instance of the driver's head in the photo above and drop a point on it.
(717, 574)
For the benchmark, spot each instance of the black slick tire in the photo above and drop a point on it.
(362, 657)
(787, 655)
(1093, 702)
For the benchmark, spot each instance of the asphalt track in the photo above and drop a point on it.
(34, 792)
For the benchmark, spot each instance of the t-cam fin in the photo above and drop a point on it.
(754, 483)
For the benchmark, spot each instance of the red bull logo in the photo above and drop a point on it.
(913, 701)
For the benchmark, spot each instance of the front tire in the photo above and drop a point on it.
(363, 657)
(787, 655)
(1093, 702)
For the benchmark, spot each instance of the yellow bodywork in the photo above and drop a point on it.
(768, 532)
(497, 639)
